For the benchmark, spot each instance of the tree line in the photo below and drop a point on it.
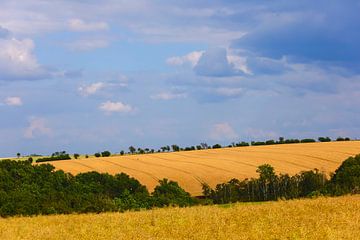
(269, 186)
(27, 189)
(62, 155)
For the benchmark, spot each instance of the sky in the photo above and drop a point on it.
(86, 76)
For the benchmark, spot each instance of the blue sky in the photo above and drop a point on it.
(84, 76)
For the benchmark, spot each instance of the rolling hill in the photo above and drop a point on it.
(213, 166)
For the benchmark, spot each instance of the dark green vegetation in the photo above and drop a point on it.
(54, 157)
(175, 148)
(27, 189)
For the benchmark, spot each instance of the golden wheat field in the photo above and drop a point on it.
(321, 218)
(214, 166)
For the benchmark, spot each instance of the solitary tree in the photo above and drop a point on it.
(132, 149)
(18, 155)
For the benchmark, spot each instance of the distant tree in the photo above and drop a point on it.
(105, 154)
(198, 147)
(122, 152)
(270, 142)
(281, 140)
(216, 146)
(307, 140)
(86, 156)
(132, 149)
(18, 155)
(175, 148)
(324, 139)
(76, 155)
(97, 155)
(204, 145)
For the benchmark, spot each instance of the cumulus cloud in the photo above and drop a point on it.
(80, 25)
(110, 107)
(190, 58)
(215, 63)
(168, 96)
(223, 131)
(13, 101)
(37, 127)
(91, 89)
(17, 60)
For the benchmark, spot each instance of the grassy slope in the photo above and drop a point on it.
(218, 165)
(322, 218)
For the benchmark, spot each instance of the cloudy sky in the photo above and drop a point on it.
(85, 76)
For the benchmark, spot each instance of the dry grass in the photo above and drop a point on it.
(322, 218)
(218, 165)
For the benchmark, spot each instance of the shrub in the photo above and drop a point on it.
(324, 139)
(169, 193)
(105, 154)
(216, 146)
(307, 140)
(97, 155)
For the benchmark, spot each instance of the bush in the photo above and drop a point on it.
(216, 146)
(169, 193)
(97, 155)
(106, 154)
(324, 139)
(63, 156)
(307, 140)
(76, 155)
(347, 177)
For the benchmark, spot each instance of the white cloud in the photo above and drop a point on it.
(191, 58)
(116, 107)
(37, 126)
(17, 60)
(223, 131)
(13, 101)
(91, 89)
(88, 44)
(80, 25)
(168, 96)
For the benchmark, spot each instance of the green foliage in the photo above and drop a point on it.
(57, 156)
(267, 187)
(97, 155)
(347, 177)
(216, 146)
(105, 154)
(324, 139)
(169, 193)
(307, 140)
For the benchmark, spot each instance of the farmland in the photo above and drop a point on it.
(321, 218)
(213, 166)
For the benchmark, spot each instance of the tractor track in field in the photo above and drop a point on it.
(285, 153)
(133, 169)
(85, 165)
(200, 164)
(173, 168)
(222, 159)
(253, 165)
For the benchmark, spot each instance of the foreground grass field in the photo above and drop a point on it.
(215, 166)
(322, 218)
